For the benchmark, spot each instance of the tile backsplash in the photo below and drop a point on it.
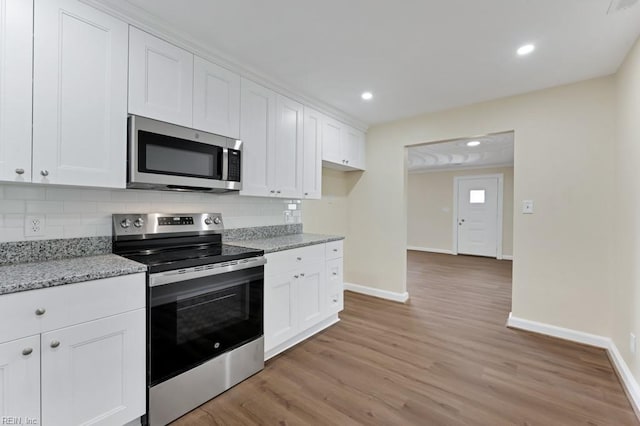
(83, 212)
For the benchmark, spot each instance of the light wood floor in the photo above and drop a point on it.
(445, 358)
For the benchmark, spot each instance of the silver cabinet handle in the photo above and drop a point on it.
(335, 299)
(20, 171)
(296, 276)
(272, 191)
(347, 161)
(335, 250)
(299, 258)
(306, 193)
(335, 273)
(40, 311)
(44, 173)
(27, 351)
(277, 192)
(302, 275)
(55, 344)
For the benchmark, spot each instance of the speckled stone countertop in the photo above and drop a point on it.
(285, 242)
(36, 275)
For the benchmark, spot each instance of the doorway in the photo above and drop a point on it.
(477, 215)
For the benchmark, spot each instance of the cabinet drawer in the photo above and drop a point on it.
(67, 305)
(288, 260)
(334, 249)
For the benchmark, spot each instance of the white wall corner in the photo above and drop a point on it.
(376, 292)
(430, 250)
(629, 382)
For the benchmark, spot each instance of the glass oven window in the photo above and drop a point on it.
(195, 320)
(167, 155)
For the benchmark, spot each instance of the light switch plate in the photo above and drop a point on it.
(527, 206)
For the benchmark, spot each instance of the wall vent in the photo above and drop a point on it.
(620, 5)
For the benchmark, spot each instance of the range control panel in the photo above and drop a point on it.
(160, 223)
(175, 220)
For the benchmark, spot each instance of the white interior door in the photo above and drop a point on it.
(478, 216)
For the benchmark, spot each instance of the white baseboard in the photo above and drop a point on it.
(430, 250)
(507, 257)
(629, 382)
(376, 292)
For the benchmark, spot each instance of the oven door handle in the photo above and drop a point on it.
(169, 277)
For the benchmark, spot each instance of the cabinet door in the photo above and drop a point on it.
(335, 286)
(355, 145)
(257, 131)
(20, 380)
(160, 79)
(331, 141)
(280, 309)
(16, 29)
(312, 298)
(287, 152)
(312, 164)
(216, 99)
(79, 95)
(94, 373)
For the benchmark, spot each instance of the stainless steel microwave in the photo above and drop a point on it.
(169, 157)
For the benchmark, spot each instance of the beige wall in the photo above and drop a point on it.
(430, 208)
(563, 161)
(328, 215)
(626, 281)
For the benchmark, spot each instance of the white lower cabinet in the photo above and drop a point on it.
(87, 362)
(91, 371)
(298, 295)
(20, 380)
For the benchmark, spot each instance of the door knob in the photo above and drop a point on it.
(40, 311)
(302, 275)
(44, 173)
(20, 171)
(55, 344)
(296, 276)
(27, 351)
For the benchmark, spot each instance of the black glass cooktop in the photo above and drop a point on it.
(160, 261)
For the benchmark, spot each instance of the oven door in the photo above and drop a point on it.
(204, 314)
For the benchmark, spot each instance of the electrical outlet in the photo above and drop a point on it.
(34, 226)
(632, 343)
(527, 206)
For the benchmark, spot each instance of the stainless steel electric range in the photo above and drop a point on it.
(204, 304)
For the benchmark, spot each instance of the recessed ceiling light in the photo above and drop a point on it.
(473, 143)
(367, 96)
(526, 49)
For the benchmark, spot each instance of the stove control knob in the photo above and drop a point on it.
(125, 223)
(208, 221)
(217, 220)
(138, 222)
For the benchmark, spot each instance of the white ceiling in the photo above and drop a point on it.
(416, 56)
(494, 150)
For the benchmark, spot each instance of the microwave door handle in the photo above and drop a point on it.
(225, 164)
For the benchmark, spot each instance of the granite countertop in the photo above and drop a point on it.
(36, 275)
(285, 242)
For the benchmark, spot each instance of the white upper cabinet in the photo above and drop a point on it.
(272, 133)
(257, 131)
(160, 79)
(216, 99)
(287, 152)
(331, 143)
(343, 147)
(312, 151)
(79, 95)
(16, 29)
(354, 146)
